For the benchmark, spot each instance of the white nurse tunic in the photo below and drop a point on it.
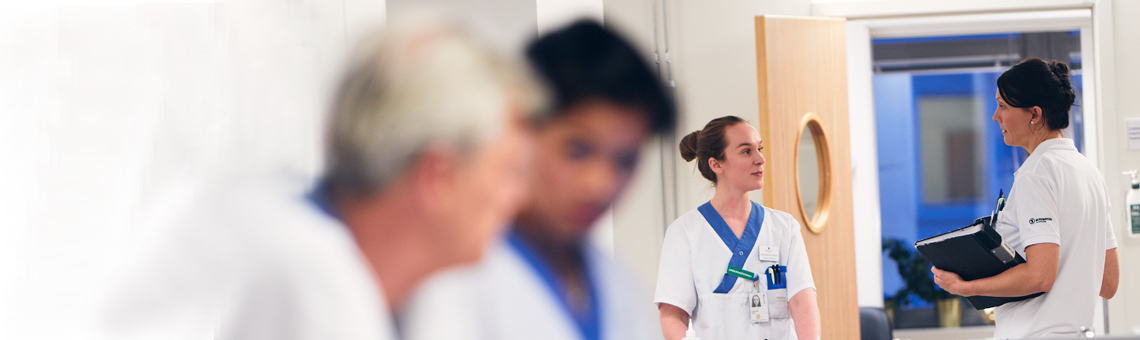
(696, 253)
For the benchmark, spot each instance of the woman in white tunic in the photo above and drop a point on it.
(1057, 216)
(730, 254)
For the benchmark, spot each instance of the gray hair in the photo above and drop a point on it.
(421, 81)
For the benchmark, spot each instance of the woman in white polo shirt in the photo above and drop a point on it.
(1057, 216)
(740, 270)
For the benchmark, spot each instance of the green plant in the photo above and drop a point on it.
(915, 271)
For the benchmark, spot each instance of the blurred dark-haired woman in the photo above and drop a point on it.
(1057, 214)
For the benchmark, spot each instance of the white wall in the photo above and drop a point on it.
(109, 108)
(507, 23)
(1118, 34)
(553, 14)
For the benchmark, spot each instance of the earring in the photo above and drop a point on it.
(1032, 122)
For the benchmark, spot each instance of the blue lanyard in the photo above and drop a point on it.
(741, 247)
(590, 323)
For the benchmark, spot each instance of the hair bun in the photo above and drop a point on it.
(1061, 71)
(1059, 68)
(689, 146)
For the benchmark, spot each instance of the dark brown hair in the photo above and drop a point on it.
(708, 143)
(1045, 84)
(587, 61)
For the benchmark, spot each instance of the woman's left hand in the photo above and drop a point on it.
(951, 282)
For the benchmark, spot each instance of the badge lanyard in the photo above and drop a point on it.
(758, 299)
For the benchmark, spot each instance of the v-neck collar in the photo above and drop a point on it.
(740, 247)
(751, 230)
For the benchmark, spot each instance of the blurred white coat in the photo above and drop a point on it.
(503, 297)
(254, 259)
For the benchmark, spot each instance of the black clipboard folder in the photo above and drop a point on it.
(973, 252)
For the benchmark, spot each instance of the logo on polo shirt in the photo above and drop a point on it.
(1039, 220)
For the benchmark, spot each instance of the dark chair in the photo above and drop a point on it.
(874, 324)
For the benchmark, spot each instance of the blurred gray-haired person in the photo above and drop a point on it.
(428, 154)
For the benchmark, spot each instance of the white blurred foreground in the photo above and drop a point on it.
(112, 112)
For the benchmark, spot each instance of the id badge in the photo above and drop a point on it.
(768, 253)
(758, 312)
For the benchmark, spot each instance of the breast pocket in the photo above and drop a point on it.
(777, 292)
(778, 304)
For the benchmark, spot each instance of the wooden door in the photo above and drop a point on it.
(802, 74)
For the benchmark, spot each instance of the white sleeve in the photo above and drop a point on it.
(799, 268)
(675, 283)
(1109, 233)
(1036, 212)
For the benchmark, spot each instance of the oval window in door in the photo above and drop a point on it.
(813, 173)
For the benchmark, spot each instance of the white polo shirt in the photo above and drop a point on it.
(1059, 197)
